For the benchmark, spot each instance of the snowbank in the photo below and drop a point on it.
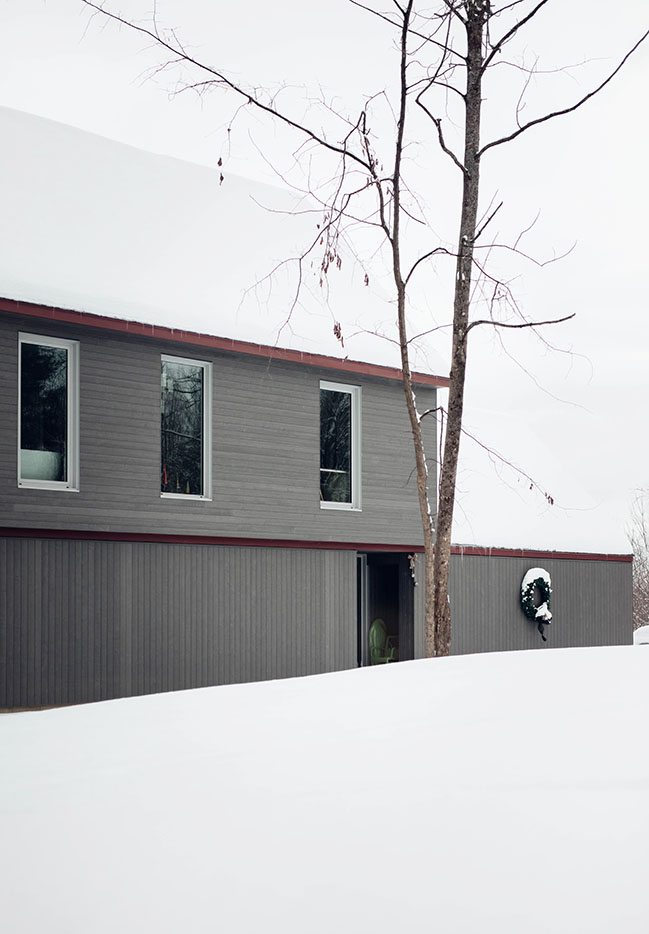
(641, 635)
(500, 793)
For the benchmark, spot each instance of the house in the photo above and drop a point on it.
(181, 509)
(186, 511)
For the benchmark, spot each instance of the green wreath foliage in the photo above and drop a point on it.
(527, 596)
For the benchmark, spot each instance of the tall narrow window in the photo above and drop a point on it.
(185, 420)
(48, 432)
(339, 446)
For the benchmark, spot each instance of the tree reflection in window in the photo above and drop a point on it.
(44, 409)
(182, 428)
(335, 446)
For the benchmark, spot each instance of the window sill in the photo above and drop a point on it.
(45, 485)
(340, 507)
(188, 497)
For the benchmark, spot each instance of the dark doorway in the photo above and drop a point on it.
(385, 592)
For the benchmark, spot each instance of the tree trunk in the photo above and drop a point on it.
(394, 237)
(422, 493)
(477, 13)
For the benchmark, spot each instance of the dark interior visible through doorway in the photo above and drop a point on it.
(385, 592)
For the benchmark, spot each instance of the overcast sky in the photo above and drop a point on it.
(573, 421)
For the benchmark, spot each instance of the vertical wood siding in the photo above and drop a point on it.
(420, 607)
(591, 604)
(86, 621)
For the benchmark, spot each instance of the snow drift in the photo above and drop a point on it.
(500, 793)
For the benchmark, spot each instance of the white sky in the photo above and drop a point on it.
(581, 434)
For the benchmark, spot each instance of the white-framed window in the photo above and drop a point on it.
(340, 446)
(185, 428)
(48, 413)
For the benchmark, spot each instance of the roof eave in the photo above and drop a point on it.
(140, 329)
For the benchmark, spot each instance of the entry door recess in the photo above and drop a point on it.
(385, 590)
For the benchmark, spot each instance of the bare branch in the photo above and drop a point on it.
(565, 110)
(509, 6)
(532, 259)
(452, 7)
(560, 69)
(512, 466)
(510, 33)
(488, 221)
(439, 327)
(224, 81)
(431, 412)
(526, 229)
(520, 105)
(383, 16)
(436, 252)
(429, 82)
(426, 39)
(496, 456)
(440, 135)
(525, 324)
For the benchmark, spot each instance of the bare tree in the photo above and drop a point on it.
(443, 60)
(639, 539)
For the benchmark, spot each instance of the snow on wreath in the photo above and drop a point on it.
(537, 577)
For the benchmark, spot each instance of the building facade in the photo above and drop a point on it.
(179, 510)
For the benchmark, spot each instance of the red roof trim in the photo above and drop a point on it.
(463, 550)
(215, 343)
(480, 551)
(101, 536)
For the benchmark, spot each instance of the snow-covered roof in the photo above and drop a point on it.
(99, 227)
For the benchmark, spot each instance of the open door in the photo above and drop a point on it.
(385, 592)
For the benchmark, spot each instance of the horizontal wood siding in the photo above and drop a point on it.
(85, 621)
(265, 451)
(591, 604)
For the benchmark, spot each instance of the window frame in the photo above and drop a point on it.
(70, 485)
(206, 495)
(356, 435)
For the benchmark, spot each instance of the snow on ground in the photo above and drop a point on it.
(498, 793)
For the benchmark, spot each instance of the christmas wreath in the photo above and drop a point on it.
(537, 577)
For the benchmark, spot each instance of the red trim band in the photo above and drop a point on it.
(215, 343)
(480, 551)
(161, 538)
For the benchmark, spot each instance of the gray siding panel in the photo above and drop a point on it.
(265, 450)
(420, 608)
(591, 603)
(86, 621)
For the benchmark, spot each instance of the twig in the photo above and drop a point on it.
(565, 110)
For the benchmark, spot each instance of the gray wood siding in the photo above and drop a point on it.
(591, 604)
(420, 608)
(265, 447)
(85, 621)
